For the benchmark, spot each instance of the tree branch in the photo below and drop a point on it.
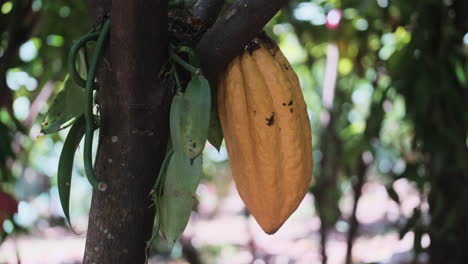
(208, 10)
(353, 221)
(226, 39)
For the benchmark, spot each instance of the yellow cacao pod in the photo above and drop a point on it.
(267, 132)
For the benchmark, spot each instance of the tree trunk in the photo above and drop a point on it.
(134, 104)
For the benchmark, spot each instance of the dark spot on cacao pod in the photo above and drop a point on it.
(291, 110)
(284, 104)
(252, 46)
(271, 45)
(290, 103)
(271, 119)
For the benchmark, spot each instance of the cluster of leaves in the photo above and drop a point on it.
(72, 107)
(181, 171)
(33, 50)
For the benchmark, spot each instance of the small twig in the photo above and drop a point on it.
(323, 243)
(354, 224)
(183, 63)
(177, 79)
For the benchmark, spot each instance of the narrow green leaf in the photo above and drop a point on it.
(175, 203)
(65, 166)
(68, 105)
(460, 73)
(215, 132)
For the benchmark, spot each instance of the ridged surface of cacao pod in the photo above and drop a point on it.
(267, 132)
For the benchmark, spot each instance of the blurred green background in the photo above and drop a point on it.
(386, 84)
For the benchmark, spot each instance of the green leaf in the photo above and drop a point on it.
(460, 73)
(176, 201)
(162, 171)
(68, 105)
(157, 192)
(178, 110)
(190, 118)
(65, 166)
(215, 132)
(197, 120)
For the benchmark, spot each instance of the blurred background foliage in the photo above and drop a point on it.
(386, 83)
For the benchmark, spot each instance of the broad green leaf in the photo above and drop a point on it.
(178, 110)
(196, 122)
(190, 118)
(162, 171)
(65, 166)
(157, 191)
(176, 201)
(67, 106)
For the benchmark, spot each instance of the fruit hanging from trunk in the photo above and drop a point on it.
(267, 131)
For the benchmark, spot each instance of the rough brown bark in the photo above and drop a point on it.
(134, 106)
